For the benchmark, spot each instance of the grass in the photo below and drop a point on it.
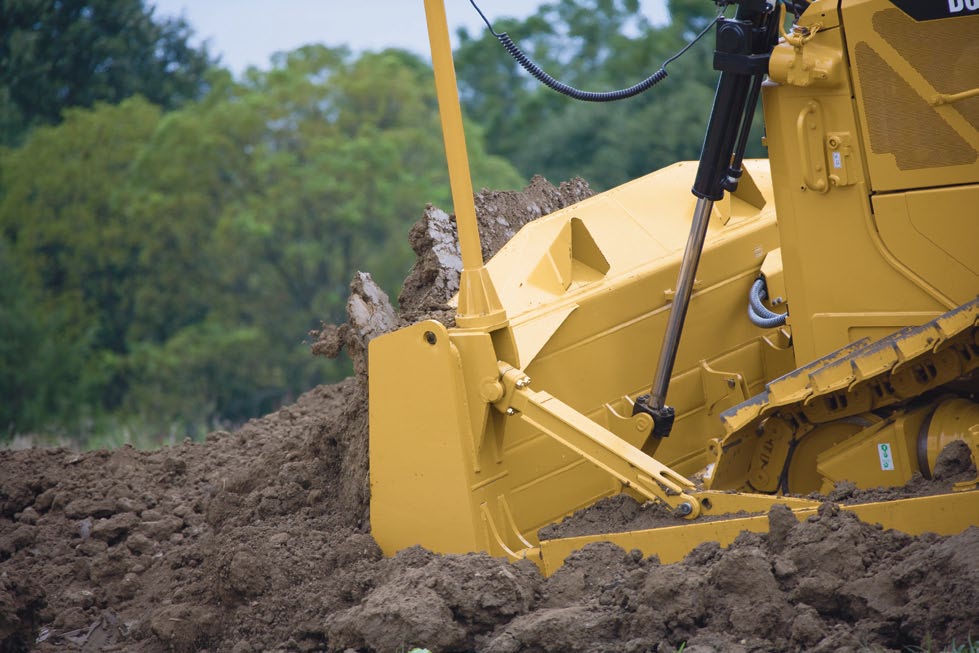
(928, 646)
(114, 431)
(968, 647)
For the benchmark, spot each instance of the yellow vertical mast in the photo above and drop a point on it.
(479, 305)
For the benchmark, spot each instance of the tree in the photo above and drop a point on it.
(42, 374)
(63, 198)
(593, 45)
(74, 53)
(191, 251)
(333, 158)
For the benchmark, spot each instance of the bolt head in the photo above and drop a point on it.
(492, 391)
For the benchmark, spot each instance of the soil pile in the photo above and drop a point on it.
(258, 540)
(434, 279)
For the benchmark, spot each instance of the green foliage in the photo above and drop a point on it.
(594, 45)
(41, 370)
(164, 256)
(300, 175)
(62, 213)
(204, 371)
(188, 253)
(74, 53)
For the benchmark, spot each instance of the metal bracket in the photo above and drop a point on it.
(842, 170)
(496, 535)
(633, 428)
(721, 389)
(629, 465)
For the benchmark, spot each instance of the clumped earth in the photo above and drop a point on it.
(259, 540)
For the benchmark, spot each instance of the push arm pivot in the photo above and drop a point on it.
(629, 465)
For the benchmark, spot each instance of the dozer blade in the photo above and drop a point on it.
(941, 514)
(467, 454)
(885, 393)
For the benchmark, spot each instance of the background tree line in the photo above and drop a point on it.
(169, 234)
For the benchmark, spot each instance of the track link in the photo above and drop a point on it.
(857, 379)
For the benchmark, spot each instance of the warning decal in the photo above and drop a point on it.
(886, 457)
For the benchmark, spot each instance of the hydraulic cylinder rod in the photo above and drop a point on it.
(681, 300)
(741, 54)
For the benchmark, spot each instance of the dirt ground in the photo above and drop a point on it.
(259, 540)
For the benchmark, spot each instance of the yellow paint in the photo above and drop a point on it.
(479, 305)
(483, 433)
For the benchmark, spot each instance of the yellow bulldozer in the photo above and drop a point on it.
(826, 299)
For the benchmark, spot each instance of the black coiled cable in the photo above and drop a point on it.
(585, 96)
(572, 92)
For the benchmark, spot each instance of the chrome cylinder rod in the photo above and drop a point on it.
(681, 300)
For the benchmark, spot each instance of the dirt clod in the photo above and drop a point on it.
(434, 278)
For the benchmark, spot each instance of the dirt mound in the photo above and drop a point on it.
(170, 548)
(258, 540)
(434, 278)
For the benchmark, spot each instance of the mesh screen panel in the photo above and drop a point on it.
(945, 52)
(902, 123)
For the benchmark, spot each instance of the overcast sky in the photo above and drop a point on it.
(246, 32)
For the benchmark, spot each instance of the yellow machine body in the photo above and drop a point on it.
(587, 291)
(877, 189)
(864, 222)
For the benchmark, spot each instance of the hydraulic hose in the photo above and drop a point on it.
(759, 315)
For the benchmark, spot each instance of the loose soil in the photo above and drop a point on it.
(259, 540)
